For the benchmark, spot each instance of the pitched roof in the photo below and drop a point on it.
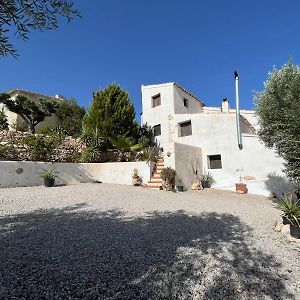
(31, 95)
(178, 86)
(187, 92)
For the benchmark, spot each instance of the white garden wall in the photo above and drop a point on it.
(26, 173)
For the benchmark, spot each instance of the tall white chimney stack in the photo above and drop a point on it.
(225, 106)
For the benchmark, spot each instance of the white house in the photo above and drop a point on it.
(195, 136)
(15, 121)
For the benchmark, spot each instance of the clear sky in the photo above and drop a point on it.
(197, 43)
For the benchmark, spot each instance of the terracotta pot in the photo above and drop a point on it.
(241, 187)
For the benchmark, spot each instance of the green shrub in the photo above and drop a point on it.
(290, 210)
(208, 177)
(169, 175)
(3, 120)
(39, 146)
(20, 127)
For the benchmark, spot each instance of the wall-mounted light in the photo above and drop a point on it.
(168, 153)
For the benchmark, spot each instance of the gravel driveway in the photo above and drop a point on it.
(100, 241)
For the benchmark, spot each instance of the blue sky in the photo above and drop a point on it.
(196, 43)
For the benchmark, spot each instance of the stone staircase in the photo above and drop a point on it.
(155, 180)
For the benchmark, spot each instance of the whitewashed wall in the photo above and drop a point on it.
(21, 173)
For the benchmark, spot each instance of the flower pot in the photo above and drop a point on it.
(179, 188)
(241, 188)
(285, 221)
(136, 180)
(295, 231)
(49, 182)
(205, 184)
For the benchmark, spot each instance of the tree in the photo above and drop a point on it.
(278, 110)
(70, 115)
(3, 120)
(112, 113)
(31, 112)
(22, 16)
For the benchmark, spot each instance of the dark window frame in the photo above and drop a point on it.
(154, 98)
(185, 132)
(186, 102)
(154, 129)
(214, 162)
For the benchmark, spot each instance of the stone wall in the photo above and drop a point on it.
(68, 151)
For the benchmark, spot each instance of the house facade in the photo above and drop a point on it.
(199, 139)
(15, 121)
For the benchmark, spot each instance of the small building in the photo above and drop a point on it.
(196, 138)
(16, 122)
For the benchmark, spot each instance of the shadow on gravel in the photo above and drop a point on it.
(88, 255)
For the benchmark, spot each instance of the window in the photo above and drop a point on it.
(156, 100)
(186, 103)
(214, 161)
(157, 130)
(185, 128)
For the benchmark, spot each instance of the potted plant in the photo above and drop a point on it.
(241, 187)
(49, 177)
(168, 176)
(207, 180)
(179, 185)
(136, 179)
(290, 214)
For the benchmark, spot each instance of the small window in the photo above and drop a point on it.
(157, 130)
(214, 161)
(156, 100)
(185, 128)
(186, 103)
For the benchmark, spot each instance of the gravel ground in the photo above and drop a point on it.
(100, 241)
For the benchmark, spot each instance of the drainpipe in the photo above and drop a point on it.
(238, 124)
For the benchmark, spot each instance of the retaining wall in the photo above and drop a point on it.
(28, 173)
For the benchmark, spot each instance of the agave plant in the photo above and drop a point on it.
(290, 210)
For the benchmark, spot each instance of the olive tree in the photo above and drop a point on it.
(278, 111)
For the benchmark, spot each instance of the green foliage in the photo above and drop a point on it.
(146, 154)
(20, 126)
(290, 210)
(208, 177)
(124, 144)
(22, 16)
(5, 149)
(31, 112)
(40, 146)
(3, 120)
(70, 115)
(278, 110)
(50, 174)
(169, 175)
(145, 136)
(90, 154)
(112, 113)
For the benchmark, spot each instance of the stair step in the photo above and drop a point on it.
(155, 175)
(153, 186)
(155, 180)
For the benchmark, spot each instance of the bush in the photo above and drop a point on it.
(3, 120)
(40, 147)
(168, 175)
(290, 209)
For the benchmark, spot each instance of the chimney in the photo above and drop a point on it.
(225, 106)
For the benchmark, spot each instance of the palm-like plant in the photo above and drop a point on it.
(290, 209)
(124, 144)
